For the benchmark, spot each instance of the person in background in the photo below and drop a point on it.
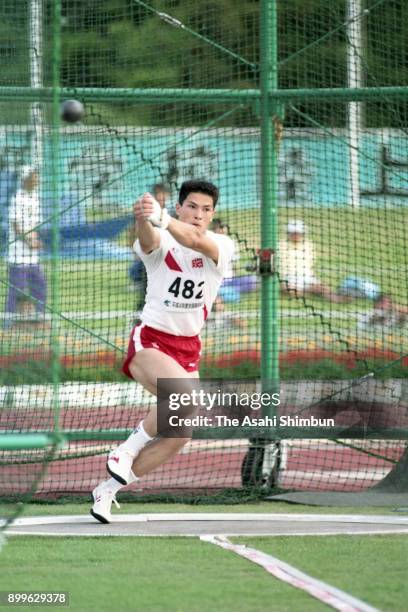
(297, 262)
(8, 188)
(385, 313)
(161, 193)
(233, 285)
(27, 289)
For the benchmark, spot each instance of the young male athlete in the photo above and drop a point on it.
(185, 265)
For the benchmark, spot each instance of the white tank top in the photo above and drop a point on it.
(182, 284)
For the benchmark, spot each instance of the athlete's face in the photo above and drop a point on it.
(197, 209)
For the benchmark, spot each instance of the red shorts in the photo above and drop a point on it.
(186, 350)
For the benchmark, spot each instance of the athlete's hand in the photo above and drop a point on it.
(144, 207)
(147, 208)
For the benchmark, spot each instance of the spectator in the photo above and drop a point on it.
(161, 193)
(8, 188)
(296, 262)
(233, 286)
(385, 313)
(27, 284)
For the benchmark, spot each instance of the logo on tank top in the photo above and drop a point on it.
(197, 263)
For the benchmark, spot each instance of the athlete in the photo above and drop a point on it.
(185, 264)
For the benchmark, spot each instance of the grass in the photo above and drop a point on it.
(184, 574)
(369, 242)
(155, 574)
(180, 574)
(366, 242)
(372, 568)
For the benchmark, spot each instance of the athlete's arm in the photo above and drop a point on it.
(190, 237)
(149, 236)
(187, 235)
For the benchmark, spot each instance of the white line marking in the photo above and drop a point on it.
(99, 534)
(331, 596)
(219, 517)
(328, 474)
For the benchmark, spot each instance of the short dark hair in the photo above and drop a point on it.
(198, 186)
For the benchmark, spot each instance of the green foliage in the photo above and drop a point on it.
(123, 44)
(120, 43)
(14, 44)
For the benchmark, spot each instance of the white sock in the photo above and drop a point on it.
(136, 441)
(113, 485)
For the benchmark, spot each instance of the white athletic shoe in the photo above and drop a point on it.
(119, 465)
(103, 498)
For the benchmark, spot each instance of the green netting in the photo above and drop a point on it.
(146, 73)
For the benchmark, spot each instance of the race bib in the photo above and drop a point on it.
(183, 293)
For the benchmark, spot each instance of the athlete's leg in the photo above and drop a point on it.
(146, 367)
(156, 453)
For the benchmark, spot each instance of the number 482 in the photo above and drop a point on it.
(187, 290)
